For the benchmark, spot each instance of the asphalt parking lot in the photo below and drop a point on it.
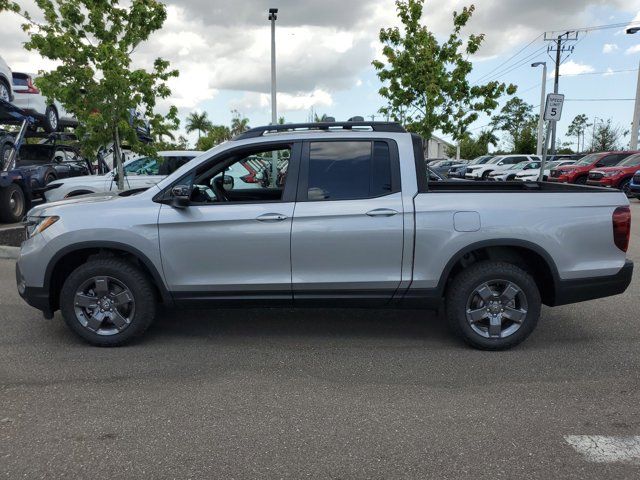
(322, 394)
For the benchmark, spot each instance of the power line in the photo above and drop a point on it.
(509, 59)
(599, 99)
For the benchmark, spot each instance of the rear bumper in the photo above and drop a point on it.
(580, 290)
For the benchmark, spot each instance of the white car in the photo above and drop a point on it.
(142, 172)
(52, 116)
(498, 163)
(510, 173)
(532, 175)
(6, 92)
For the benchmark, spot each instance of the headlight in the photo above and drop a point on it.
(37, 225)
(612, 174)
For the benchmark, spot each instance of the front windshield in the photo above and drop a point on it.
(142, 166)
(495, 160)
(588, 160)
(632, 161)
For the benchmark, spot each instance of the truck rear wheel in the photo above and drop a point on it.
(493, 305)
(108, 302)
(12, 204)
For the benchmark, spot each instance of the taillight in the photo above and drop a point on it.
(31, 88)
(621, 220)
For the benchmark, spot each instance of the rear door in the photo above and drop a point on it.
(347, 231)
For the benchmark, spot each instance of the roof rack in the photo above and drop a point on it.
(324, 126)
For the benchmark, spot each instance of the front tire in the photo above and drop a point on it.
(485, 175)
(493, 305)
(13, 204)
(625, 187)
(581, 180)
(108, 302)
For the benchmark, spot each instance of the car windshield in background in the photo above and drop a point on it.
(521, 165)
(142, 166)
(632, 161)
(495, 160)
(588, 160)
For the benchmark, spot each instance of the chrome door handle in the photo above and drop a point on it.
(271, 217)
(382, 212)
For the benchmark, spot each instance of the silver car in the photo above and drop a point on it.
(6, 92)
(350, 219)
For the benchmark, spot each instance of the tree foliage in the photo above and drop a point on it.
(607, 137)
(92, 43)
(239, 123)
(214, 136)
(425, 82)
(472, 147)
(198, 122)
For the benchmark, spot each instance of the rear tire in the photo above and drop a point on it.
(625, 187)
(108, 302)
(5, 152)
(493, 305)
(485, 175)
(12, 204)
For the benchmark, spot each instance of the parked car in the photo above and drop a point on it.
(532, 174)
(460, 170)
(634, 186)
(618, 176)
(510, 173)
(443, 166)
(6, 92)
(579, 171)
(356, 222)
(498, 163)
(51, 116)
(140, 172)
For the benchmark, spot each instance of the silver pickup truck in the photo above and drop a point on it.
(346, 216)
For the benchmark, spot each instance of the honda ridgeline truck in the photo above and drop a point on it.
(348, 217)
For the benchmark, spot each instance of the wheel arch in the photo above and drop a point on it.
(72, 256)
(528, 255)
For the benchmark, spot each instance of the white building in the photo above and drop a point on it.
(437, 148)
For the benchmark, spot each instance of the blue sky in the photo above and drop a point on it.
(221, 48)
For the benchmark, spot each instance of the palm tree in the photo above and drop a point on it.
(239, 123)
(198, 121)
(318, 119)
(162, 130)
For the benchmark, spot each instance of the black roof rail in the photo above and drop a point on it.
(324, 126)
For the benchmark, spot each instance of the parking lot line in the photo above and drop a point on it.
(604, 449)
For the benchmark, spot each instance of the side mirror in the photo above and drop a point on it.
(228, 182)
(500, 164)
(180, 196)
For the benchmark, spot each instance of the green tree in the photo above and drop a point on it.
(198, 122)
(215, 135)
(239, 123)
(607, 137)
(320, 118)
(514, 118)
(526, 141)
(92, 43)
(425, 82)
(471, 147)
(578, 126)
(180, 144)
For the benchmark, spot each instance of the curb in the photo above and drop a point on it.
(9, 252)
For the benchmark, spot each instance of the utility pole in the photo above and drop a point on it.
(543, 96)
(558, 45)
(273, 16)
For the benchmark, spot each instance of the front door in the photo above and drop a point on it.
(231, 243)
(347, 233)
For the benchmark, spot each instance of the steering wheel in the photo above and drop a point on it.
(218, 189)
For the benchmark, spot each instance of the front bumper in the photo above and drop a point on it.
(37, 297)
(603, 182)
(582, 289)
(560, 179)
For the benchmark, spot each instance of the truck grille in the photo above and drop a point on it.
(595, 175)
(636, 179)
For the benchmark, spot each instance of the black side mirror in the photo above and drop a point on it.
(180, 196)
(228, 182)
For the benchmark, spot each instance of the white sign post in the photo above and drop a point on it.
(552, 113)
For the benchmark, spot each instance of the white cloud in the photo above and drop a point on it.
(573, 68)
(287, 102)
(609, 48)
(608, 73)
(632, 50)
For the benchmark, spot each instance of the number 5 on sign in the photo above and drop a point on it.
(553, 107)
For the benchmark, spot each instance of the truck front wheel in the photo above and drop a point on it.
(493, 305)
(108, 302)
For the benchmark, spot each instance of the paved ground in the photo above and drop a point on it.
(321, 394)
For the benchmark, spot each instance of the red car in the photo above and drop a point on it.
(579, 172)
(616, 177)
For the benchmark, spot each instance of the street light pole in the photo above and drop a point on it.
(543, 95)
(273, 16)
(633, 145)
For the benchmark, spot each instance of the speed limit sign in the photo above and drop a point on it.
(553, 108)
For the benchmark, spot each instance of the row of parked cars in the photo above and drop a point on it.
(619, 169)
